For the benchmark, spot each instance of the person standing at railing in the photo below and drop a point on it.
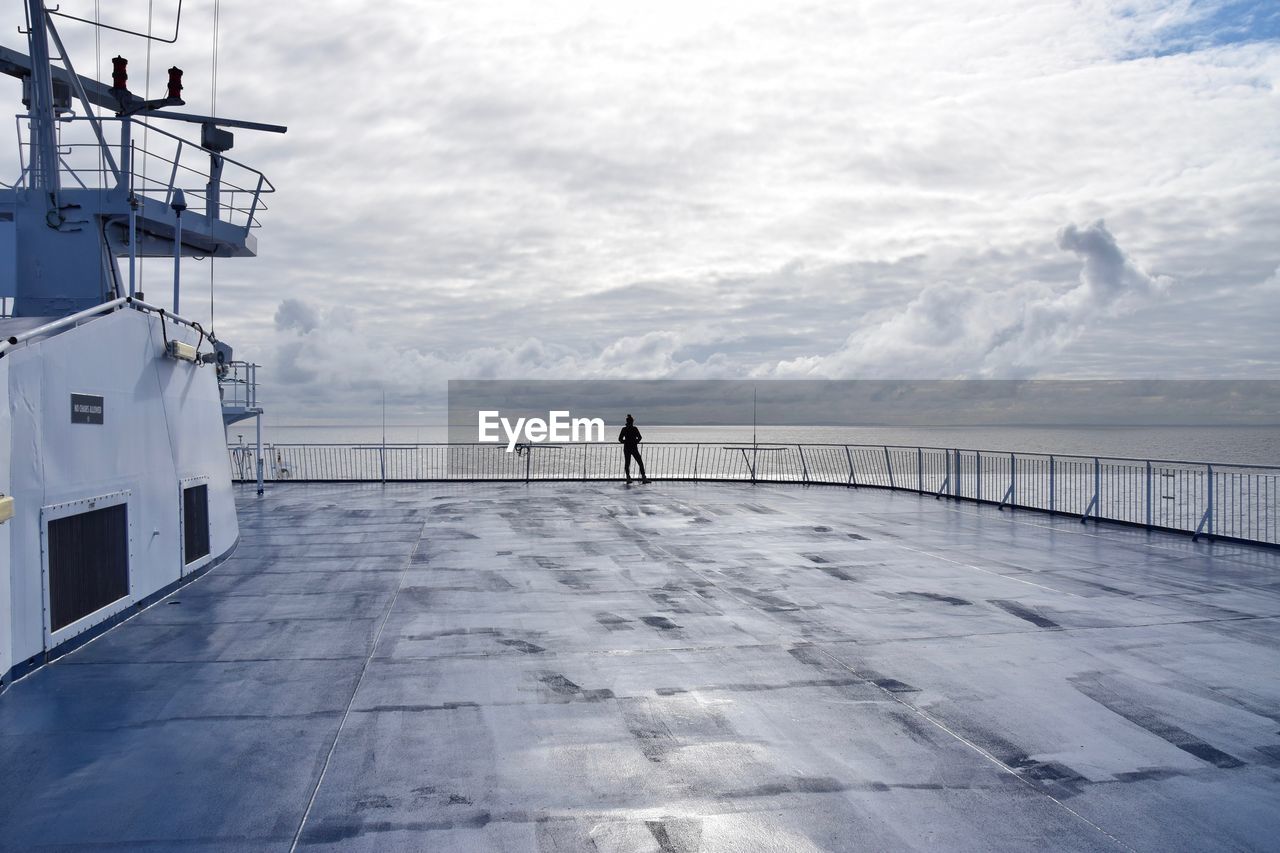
(630, 439)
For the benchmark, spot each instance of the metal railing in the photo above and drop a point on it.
(71, 320)
(238, 385)
(1227, 501)
(169, 162)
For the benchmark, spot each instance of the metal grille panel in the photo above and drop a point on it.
(88, 563)
(195, 523)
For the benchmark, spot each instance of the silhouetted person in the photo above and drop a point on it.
(630, 438)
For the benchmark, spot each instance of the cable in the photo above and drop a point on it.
(217, 24)
(213, 110)
(146, 153)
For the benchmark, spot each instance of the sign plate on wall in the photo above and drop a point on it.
(86, 409)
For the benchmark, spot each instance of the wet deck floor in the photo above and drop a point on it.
(672, 667)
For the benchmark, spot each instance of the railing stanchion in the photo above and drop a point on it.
(258, 422)
(1148, 496)
(1095, 505)
(1206, 521)
(804, 466)
(955, 480)
(977, 474)
(888, 464)
(1053, 507)
(697, 451)
(920, 470)
(1013, 479)
(853, 481)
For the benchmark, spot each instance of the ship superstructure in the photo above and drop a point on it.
(112, 444)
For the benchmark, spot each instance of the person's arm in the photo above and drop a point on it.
(622, 435)
(639, 437)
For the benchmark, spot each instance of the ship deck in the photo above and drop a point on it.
(670, 667)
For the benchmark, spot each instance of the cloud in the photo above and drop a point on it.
(959, 330)
(296, 314)
(1108, 274)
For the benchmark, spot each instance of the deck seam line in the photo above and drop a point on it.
(980, 569)
(346, 714)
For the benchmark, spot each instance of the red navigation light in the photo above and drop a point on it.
(119, 73)
(175, 82)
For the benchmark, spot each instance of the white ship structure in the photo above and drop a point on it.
(112, 441)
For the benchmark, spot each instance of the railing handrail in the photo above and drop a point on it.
(80, 316)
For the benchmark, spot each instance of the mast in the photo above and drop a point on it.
(44, 141)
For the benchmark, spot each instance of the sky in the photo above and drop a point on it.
(746, 190)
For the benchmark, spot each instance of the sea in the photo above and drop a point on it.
(1238, 445)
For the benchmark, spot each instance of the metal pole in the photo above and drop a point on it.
(44, 140)
(888, 465)
(133, 244)
(1052, 494)
(178, 204)
(1209, 468)
(258, 422)
(1149, 508)
(1013, 479)
(1097, 489)
(977, 475)
(920, 470)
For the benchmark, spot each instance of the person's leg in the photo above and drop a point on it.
(640, 462)
(626, 462)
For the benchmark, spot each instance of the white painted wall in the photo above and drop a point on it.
(162, 421)
(6, 623)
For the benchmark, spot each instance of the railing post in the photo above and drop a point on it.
(258, 419)
(920, 470)
(1053, 506)
(1209, 509)
(1097, 489)
(1013, 479)
(1149, 507)
(1206, 520)
(853, 481)
(697, 451)
(253, 208)
(888, 464)
(804, 466)
(977, 473)
(528, 460)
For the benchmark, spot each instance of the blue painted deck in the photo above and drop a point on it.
(672, 667)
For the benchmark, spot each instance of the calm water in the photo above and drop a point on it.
(1243, 445)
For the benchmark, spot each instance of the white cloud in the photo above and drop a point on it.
(1018, 328)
